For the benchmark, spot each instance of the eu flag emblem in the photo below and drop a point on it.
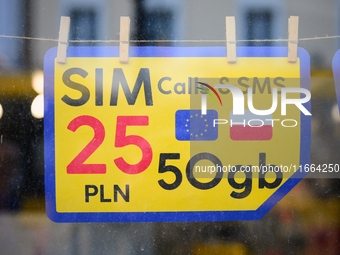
(192, 126)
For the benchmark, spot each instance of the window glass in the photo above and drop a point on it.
(259, 26)
(305, 221)
(83, 26)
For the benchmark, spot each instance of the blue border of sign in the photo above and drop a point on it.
(49, 135)
(336, 75)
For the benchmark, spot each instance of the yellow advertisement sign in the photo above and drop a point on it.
(165, 138)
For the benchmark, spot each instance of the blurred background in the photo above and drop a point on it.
(306, 221)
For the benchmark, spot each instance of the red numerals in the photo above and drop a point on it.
(123, 140)
(77, 165)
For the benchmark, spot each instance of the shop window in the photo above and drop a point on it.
(83, 26)
(159, 25)
(259, 27)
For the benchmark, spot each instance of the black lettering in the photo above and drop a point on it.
(85, 92)
(264, 170)
(160, 85)
(196, 85)
(182, 86)
(189, 85)
(88, 193)
(240, 82)
(247, 184)
(266, 82)
(279, 84)
(99, 86)
(102, 199)
(119, 78)
(125, 196)
(224, 80)
(190, 167)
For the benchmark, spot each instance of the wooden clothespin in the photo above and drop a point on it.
(124, 39)
(63, 39)
(231, 39)
(293, 31)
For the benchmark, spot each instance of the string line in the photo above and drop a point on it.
(167, 41)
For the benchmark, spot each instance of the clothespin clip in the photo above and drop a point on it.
(63, 39)
(124, 39)
(231, 39)
(293, 30)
